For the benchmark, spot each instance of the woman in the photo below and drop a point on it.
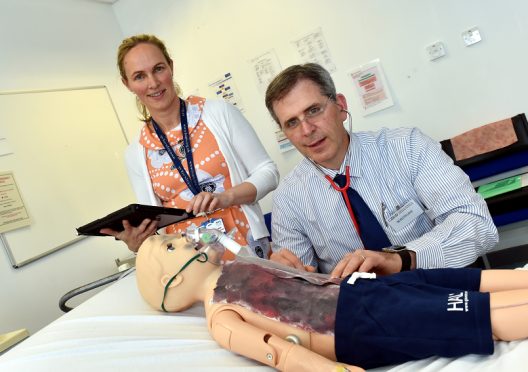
(232, 170)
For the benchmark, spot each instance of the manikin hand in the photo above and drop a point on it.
(363, 261)
(288, 258)
(134, 236)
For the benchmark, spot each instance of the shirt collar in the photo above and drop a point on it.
(354, 162)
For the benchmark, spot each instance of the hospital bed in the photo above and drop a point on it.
(116, 330)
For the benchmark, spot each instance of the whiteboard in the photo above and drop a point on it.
(68, 162)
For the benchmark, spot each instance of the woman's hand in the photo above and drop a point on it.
(133, 236)
(208, 201)
(244, 193)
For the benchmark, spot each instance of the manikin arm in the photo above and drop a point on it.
(233, 333)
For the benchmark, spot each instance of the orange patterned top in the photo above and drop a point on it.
(211, 170)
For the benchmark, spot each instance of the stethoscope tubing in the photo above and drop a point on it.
(344, 189)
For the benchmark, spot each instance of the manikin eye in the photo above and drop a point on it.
(170, 248)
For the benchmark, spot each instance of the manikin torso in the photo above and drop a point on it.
(232, 326)
(318, 343)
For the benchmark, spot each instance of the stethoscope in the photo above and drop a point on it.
(343, 190)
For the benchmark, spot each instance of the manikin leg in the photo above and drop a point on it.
(503, 280)
(508, 301)
(509, 314)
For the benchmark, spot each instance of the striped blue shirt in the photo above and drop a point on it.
(393, 167)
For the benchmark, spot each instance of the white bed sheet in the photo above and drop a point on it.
(117, 331)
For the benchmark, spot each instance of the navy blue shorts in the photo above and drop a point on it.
(412, 315)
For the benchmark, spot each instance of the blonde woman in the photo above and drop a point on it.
(212, 159)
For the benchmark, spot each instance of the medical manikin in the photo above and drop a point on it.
(412, 315)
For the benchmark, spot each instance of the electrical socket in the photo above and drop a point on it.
(435, 51)
(471, 36)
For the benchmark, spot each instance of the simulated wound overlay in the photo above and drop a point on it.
(291, 301)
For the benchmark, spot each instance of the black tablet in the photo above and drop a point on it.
(135, 214)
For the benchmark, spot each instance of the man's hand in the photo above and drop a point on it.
(288, 258)
(363, 261)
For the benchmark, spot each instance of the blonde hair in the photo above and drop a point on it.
(128, 44)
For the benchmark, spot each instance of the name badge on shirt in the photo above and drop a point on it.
(405, 215)
(214, 223)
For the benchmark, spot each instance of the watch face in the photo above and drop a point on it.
(394, 248)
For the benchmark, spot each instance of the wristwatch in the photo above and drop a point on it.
(404, 254)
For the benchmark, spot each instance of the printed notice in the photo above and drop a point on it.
(225, 87)
(313, 48)
(283, 142)
(13, 212)
(372, 89)
(264, 68)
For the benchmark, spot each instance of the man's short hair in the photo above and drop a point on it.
(284, 82)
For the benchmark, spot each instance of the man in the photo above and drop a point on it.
(391, 170)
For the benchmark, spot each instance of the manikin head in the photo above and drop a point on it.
(159, 259)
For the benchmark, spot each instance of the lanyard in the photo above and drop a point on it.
(191, 182)
(343, 190)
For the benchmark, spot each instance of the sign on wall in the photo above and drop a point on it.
(371, 86)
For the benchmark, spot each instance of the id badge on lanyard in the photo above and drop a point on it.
(192, 181)
(214, 223)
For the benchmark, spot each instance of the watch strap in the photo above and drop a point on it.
(404, 255)
(406, 259)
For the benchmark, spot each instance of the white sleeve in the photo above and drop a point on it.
(135, 175)
(263, 172)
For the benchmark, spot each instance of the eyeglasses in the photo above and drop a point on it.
(311, 117)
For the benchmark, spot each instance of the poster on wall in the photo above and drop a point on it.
(371, 86)
(225, 87)
(13, 211)
(313, 48)
(264, 68)
(283, 142)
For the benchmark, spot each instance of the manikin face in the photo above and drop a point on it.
(326, 140)
(169, 251)
(167, 254)
(159, 259)
(149, 76)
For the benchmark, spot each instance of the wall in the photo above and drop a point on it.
(55, 44)
(469, 87)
